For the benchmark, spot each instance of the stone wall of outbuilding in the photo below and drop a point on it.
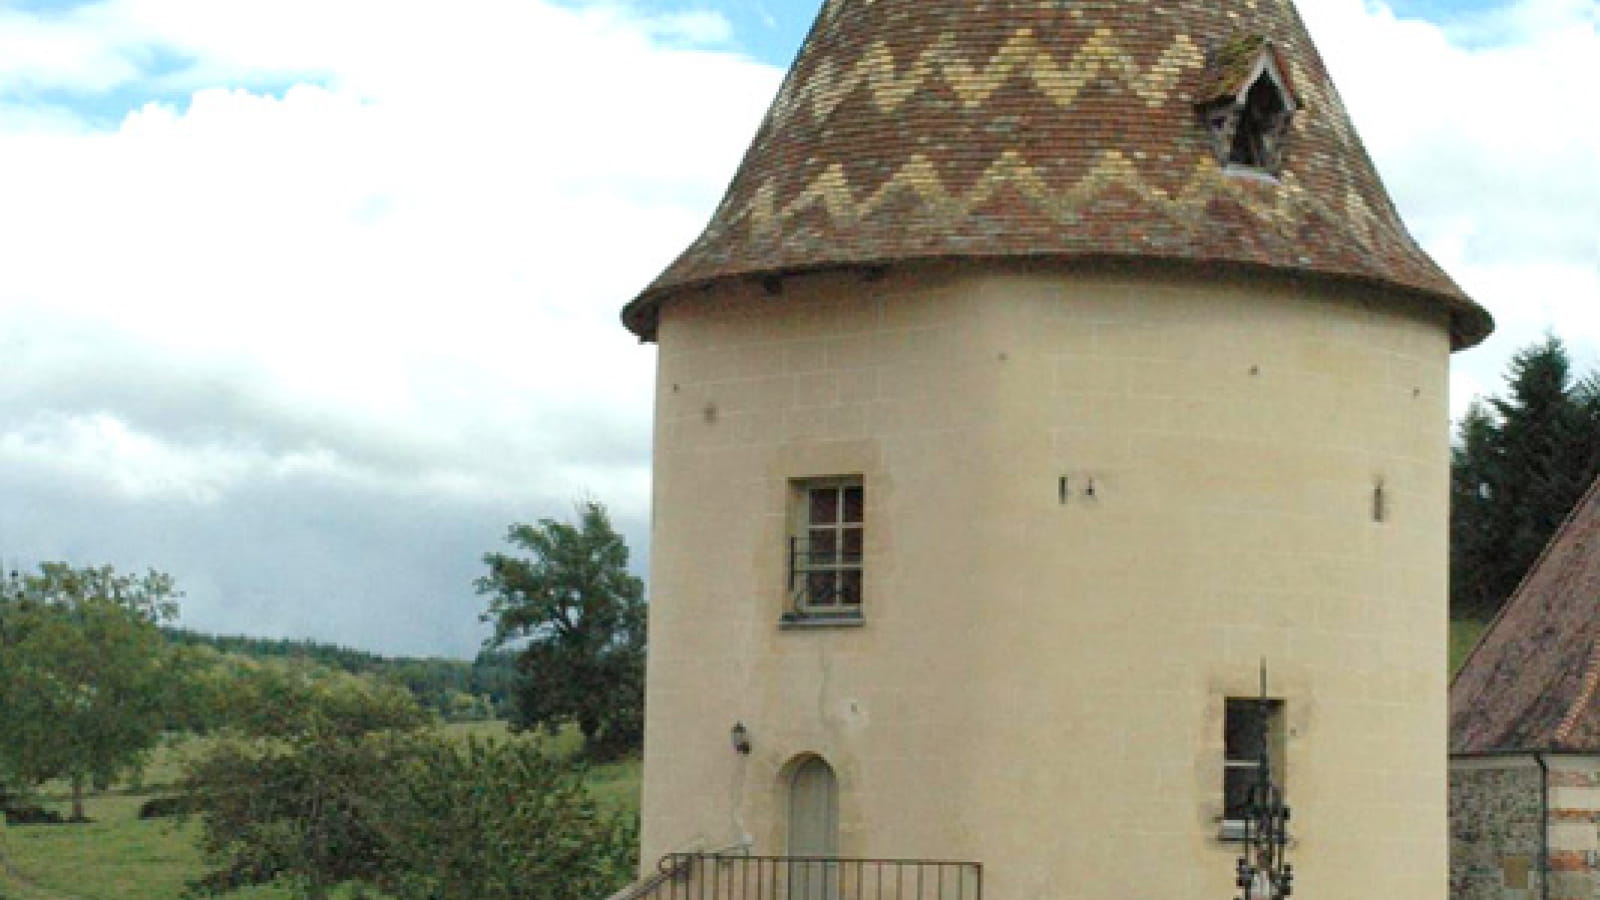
(1497, 827)
(1494, 828)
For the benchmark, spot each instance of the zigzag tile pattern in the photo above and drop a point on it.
(974, 83)
(916, 129)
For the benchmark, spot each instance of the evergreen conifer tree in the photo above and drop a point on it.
(1519, 464)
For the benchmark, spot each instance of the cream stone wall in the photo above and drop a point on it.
(1038, 685)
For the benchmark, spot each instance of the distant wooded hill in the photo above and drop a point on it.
(456, 689)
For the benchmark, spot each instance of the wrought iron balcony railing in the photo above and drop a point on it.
(824, 578)
(699, 876)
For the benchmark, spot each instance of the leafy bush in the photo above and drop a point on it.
(499, 820)
(285, 698)
(297, 811)
(415, 815)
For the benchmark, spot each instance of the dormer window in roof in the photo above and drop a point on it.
(1247, 105)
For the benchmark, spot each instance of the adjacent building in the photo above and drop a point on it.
(1525, 733)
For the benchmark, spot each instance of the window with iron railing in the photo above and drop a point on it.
(1253, 735)
(826, 548)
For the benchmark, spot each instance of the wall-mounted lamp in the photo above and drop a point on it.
(741, 738)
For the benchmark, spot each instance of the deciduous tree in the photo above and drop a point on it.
(86, 679)
(570, 597)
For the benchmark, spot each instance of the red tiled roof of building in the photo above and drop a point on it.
(1532, 681)
(939, 129)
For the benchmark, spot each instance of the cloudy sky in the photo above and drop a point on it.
(304, 301)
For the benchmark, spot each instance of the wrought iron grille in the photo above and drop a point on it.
(692, 876)
(1263, 871)
(824, 576)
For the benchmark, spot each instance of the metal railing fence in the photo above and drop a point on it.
(699, 876)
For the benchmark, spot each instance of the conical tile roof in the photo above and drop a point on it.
(1069, 129)
(1533, 681)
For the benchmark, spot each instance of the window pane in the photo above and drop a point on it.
(1236, 784)
(1244, 729)
(850, 587)
(824, 546)
(852, 547)
(824, 506)
(819, 589)
(854, 502)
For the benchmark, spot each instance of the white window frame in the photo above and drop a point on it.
(806, 566)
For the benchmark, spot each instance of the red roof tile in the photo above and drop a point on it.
(1532, 681)
(921, 129)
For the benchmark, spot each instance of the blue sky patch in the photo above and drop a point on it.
(772, 30)
(1442, 11)
(47, 6)
(161, 79)
(102, 110)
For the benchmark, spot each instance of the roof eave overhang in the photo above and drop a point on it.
(1469, 322)
(1558, 748)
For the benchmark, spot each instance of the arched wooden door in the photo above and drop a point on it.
(813, 831)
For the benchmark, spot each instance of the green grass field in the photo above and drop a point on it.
(121, 857)
(1464, 634)
(117, 855)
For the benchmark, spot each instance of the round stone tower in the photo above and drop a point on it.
(1048, 367)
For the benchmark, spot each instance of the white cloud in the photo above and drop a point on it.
(132, 465)
(78, 50)
(475, 220)
(378, 251)
(702, 27)
(375, 251)
(1480, 132)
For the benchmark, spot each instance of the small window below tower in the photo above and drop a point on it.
(1246, 103)
(1252, 738)
(826, 542)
